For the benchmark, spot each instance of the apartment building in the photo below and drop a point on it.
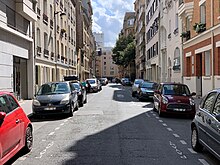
(170, 43)
(17, 48)
(153, 69)
(55, 41)
(99, 40)
(201, 44)
(139, 28)
(84, 38)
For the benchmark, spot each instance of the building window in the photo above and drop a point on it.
(112, 72)
(10, 14)
(187, 24)
(207, 63)
(104, 63)
(51, 44)
(177, 21)
(45, 7)
(45, 41)
(38, 37)
(51, 12)
(176, 61)
(203, 13)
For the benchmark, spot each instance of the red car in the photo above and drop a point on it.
(174, 98)
(15, 128)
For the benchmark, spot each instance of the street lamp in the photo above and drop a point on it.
(55, 43)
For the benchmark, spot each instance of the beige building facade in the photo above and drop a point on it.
(55, 41)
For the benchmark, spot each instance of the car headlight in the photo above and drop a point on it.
(164, 100)
(79, 93)
(65, 101)
(36, 102)
(191, 101)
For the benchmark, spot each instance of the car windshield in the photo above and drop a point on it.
(148, 85)
(76, 86)
(138, 81)
(53, 88)
(91, 81)
(176, 89)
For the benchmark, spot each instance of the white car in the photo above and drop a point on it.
(135, 86)
(95, 84)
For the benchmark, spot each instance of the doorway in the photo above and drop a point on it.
(199, 74)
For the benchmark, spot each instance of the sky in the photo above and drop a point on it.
(108, 18)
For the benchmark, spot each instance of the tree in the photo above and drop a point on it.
(124, 51)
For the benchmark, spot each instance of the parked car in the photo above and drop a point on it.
(81, 91)
(135, 86)
(174, 98)
(145, 90)
(15, 128)
(95, 84)
(126, 82)
(103, 81)
(205, 127)
(56, 98)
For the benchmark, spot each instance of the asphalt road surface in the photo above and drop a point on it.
(113, 129)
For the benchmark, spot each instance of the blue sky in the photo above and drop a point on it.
(108, 18)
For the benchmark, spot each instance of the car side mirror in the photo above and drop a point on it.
(193, 94)
(218, 117)
(2, 116)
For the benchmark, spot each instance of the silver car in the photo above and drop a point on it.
(135, 86)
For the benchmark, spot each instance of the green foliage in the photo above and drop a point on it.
(124, 51)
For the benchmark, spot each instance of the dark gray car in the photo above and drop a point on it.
(55, 98)
(206, 124)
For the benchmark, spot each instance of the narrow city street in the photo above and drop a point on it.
(113, 128)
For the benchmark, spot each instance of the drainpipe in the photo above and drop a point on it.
(212, 42)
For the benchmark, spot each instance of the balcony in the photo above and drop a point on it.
(186, 9)
(25, 8)
(45, 18)
(51, 23)
(62, 59)
(52, 56)
(58, 57)
(38, 50)
(185, 35)
(199, 27)
(46, 53)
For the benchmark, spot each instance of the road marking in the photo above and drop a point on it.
(22, 158)
(175, 135)
(203, 162)
(61, 124)
(180, 153)
(151, 112)
(57, 128)
(183, 142)
(154, 114)
(51, 133)
(147, 115)
(192, 151)
(164, 124)
(44, 151)
(169, 129)
(160, 121)
(157, 117)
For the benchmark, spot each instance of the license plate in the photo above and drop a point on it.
(50, 108)
(179, 109)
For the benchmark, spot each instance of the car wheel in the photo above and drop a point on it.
(195, 140)
(133, 94)
(77, 106)
(71, 110)
(28, 140)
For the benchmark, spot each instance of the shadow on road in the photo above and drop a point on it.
(34, 118)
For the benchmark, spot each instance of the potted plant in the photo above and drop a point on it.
(185, 34)
(199, 27)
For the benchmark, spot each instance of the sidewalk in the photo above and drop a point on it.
(27, 106)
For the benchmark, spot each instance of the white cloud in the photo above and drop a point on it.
(108, 17)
